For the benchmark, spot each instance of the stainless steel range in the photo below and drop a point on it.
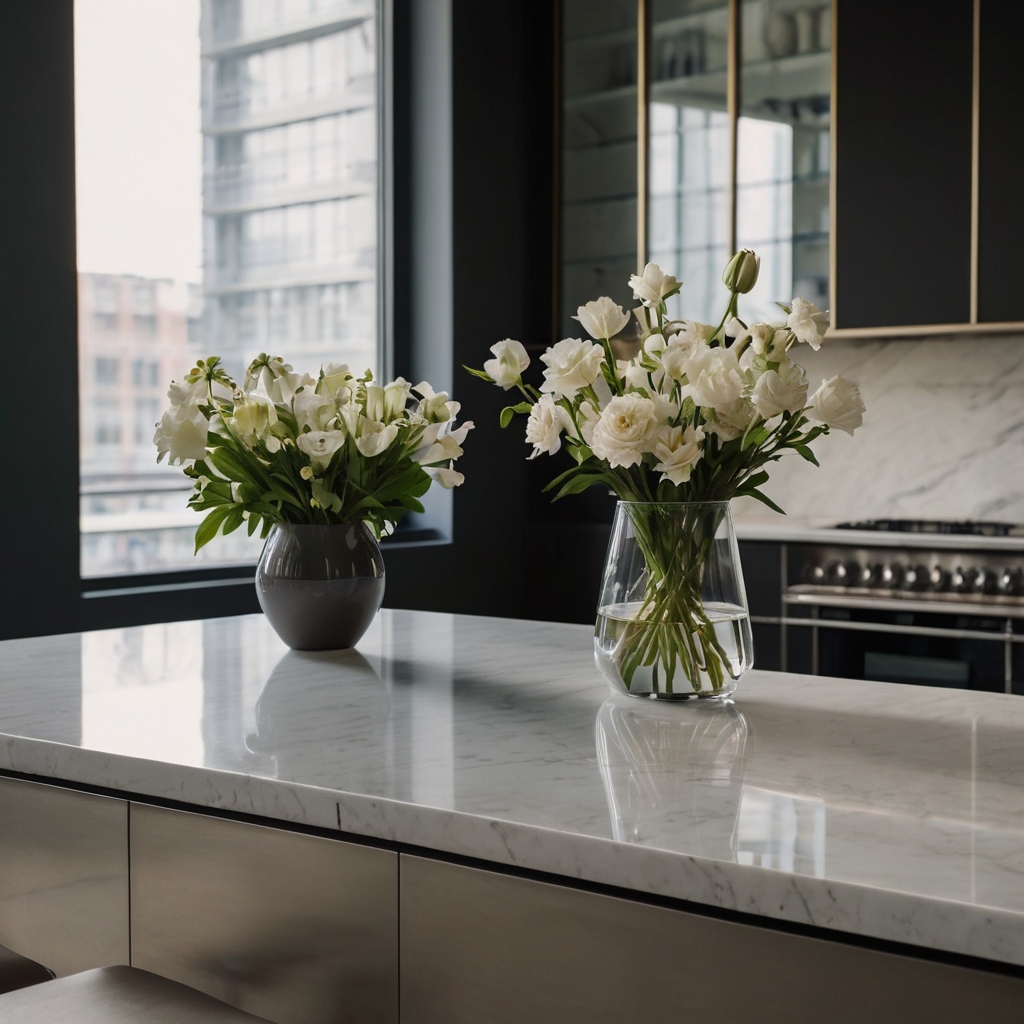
(933, 602)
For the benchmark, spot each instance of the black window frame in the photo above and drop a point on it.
(470, 136)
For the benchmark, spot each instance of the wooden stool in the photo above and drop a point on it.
(116, 995)
(18, 971)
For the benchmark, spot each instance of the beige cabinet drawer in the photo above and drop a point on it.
(63, 876)
(291, 927)
(480, 946)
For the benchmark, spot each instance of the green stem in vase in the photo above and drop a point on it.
(671, 632)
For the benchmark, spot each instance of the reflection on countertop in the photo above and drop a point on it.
(884, 810)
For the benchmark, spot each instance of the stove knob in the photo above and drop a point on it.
(814, 574)
(1010, 581)
(891, 576)
(842, 574)
(978, 580)
(869, 576)
(916, 577)
(938, 578)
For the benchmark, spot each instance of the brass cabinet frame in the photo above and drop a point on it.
(733, 86)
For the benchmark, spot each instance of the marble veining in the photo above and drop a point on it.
(888, 811)
(943, 435)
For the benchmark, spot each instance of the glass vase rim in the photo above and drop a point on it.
(681, 504)
(321, 526)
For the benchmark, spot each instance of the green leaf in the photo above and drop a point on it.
(785, 309)
(478, 373)
(579, 483)
(233, 520)
(805, 452)
(210, 525)
(753, 492)
(254, 521)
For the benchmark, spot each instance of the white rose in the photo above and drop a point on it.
(320, 445)
(510, 359)
(545, 425)
(602, 318)
(636, 377)
(679, 359)
(807, 323)
(837, 403)
(627, 428)
(784, 390)
(688, 331)
(654, 286)
(678, 451)
(571, 364)
(716, 380)
(730, 424)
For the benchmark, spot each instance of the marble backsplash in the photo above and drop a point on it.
(943, 435)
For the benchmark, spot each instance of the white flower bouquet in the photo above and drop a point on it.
(695, 417)
(290, 448)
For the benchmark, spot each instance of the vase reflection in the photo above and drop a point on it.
(324, 712)
(674, 774)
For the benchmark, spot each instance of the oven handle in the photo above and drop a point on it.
(978, 609)
(885, 627)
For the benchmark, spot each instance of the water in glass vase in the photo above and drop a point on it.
(726, 641)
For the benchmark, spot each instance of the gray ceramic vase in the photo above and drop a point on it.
(320, 586)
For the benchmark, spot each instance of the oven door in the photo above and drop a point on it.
(892, 644)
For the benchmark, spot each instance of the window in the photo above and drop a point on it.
(227, 204)
(106, 370)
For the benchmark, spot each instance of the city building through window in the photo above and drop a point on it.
(227, 205)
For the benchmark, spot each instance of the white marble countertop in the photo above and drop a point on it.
(888, 811)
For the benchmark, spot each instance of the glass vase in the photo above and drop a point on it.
(672, 619)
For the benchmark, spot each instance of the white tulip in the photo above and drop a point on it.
(374, 402)
(447, 478)
(396, 397)
(509, 362)
(678, 451)
(252, 417)
(603, 318)
(434, 407)
(181, 437)
(443, 450)
(545, 425)
(320, 445)
(313, 411)
(837, 403)
(335, 376)
(571, 364)
(654, 345)
(376, 437)
(654, 286)
(627, 428)
(808, 323)
(778, 391)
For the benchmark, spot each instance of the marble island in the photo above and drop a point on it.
(879, 810)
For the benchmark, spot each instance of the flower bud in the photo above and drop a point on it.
(741, 273)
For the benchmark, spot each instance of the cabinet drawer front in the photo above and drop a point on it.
(63, 876)
(480, 946)
(291, 927)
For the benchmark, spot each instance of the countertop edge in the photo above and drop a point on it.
(869, 912)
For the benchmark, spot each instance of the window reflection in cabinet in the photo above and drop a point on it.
(599, 153)
(783, 146)
(688, 226)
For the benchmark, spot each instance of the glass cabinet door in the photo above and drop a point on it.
(783, 147)
(689, 179)
(599, 154)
